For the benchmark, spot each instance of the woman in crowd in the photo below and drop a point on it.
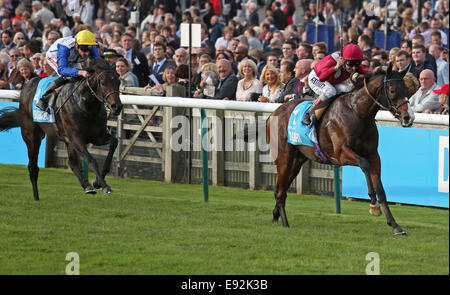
(18, 37)
(127, 78)
(273, 87)
(249, 84)
(170, 80)
(26, 70)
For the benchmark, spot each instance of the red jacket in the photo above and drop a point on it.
(325, 70)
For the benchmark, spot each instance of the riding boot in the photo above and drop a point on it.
(42, 104)
(310, 118)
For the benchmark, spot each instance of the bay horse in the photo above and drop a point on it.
(347, 134)
(80, 112)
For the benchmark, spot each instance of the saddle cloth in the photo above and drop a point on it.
(300, 134)
(39, 115)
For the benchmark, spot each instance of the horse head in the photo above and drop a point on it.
(104, 83)
(393, 95)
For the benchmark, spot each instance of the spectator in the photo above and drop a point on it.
(381, 56)
(272, 58)
(137, 59)
(392, 54)
(289, 50)
(47, 70)
(249, 88)
(36, 61)
(425, 100)
(170, 81)
(18, 37)
(11, 74)
(119, 14)
(318, 47)
(181, 57)
(26, 70)
(304, 51)
(419, 63)
(302, 70)
(406, 45)
(41, 12)
(208, 72)
(279, 17)
(442, 66)
(290, 82)
(7, 40)
(216, 30)
(273, 86)
(225, 39)
(403, 63)
(226, 89)
(127, 78)
(443, 99)
(31, 30)
(258, 56)
(160, 64)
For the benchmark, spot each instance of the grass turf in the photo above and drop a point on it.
(149, 227)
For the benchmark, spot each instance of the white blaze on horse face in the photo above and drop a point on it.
(410, 113)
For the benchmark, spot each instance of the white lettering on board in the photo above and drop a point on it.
(443, 165)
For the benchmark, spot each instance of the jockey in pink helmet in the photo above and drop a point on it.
(328, 77)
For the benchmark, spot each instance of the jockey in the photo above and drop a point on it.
(328, 77)
(65, 57)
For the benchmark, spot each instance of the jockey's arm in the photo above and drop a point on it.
(325, 70)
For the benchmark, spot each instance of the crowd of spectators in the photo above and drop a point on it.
(251, 50)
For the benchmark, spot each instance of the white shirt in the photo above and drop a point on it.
(425, 99)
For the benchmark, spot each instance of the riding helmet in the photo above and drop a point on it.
(352, 52)
(85, 37)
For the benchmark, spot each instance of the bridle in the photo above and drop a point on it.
(104, 100)
(394, 109)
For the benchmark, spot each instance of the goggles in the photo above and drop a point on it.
(85, 48)
(353, 63)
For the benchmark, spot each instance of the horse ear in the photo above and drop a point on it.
(389, 70)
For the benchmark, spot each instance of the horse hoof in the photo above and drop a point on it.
(375, 210)
(96, 184)
(398, 231)
(107, 191)
(90, 190)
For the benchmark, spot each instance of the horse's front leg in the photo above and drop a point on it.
(92, 163)
(113, 142)
(75, 166)
(375, 175)
(348, 157)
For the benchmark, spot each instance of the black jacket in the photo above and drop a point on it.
(227, 87)
(140, 67)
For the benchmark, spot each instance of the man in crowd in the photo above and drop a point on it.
(425, 100)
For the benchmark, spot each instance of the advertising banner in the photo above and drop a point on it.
(414, 167)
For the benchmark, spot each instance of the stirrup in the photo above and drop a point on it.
(306, 119)
(42, 105)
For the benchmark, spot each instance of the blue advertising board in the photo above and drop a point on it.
(13, 149)
(414, 167)
(393, 39)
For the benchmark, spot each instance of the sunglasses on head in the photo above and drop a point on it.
(353, 63)
(85, 48)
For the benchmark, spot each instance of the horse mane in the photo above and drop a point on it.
(99, 63)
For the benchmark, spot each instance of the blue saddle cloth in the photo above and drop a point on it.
(298, 133)
(39, 115)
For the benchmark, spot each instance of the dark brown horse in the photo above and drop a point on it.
(347, 134)
(80, 119)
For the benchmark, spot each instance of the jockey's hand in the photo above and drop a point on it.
(83, 73)
(339, 63)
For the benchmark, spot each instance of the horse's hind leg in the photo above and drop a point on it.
(33, 141)
(74, 165)
(287, 170)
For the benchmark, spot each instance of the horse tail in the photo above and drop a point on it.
(9, 118)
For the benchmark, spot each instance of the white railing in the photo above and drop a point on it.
(430, 119)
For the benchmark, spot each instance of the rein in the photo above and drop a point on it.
(104, 100)
(385, 94)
